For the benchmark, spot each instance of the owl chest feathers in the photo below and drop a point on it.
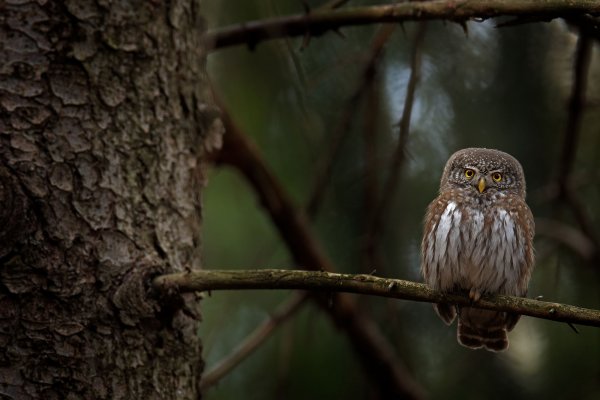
(475, 244)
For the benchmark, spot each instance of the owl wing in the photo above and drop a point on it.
(440, 227)
(525, 231)
(441, 244)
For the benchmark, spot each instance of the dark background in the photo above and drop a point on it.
(505, 88)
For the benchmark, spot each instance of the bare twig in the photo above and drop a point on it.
(252, 342)
(571, 139)
(198, 280)
(398, 157)
(371, 182)
(576, 105)
(332, 4)
(343, 127)
(552, 191)
(263, 331)
(588, 25)
(567, 235)
(584, 221)
(377, 355)
(320, 21)
(239, 152)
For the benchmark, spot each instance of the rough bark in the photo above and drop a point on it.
(101, 103)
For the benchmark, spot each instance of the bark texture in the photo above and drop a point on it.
(323, 281)
(104, 118)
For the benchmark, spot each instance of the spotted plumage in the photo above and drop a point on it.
(478, 238)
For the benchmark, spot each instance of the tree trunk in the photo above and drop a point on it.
(104, 120)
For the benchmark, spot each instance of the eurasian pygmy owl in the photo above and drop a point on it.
(478, 238)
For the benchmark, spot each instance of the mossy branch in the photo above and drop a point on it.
(317, 22)
(208, 280)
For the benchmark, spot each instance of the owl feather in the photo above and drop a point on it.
(478, 238)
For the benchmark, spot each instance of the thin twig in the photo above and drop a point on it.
(571, 140)
(239, 152)
(567, 235)
(201, 280)
(343, 127)
(377, 355)
(573, 327)
(587, 24)
(252, 341)
(320, 21)
(263, 331)
(551, 191)
(332, 4)
(398, 157)
(371, 181)
(583, 219)
(576, 105)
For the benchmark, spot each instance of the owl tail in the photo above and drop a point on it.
(482, 328)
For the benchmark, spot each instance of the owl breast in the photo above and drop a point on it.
(471, 246)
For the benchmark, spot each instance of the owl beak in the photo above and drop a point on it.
(481, 185)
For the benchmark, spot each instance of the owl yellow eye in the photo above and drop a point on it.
(469, 173)
(496, 176)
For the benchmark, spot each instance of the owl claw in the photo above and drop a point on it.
(474, 295)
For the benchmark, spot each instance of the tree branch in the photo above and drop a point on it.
(588, 25)
(576, 109)
(371, 285)
(571, 141)
(343, 128)
(333, 4)
(252, 342)
(391, 377)
(318, 22)
(569, 236)
(387, 196)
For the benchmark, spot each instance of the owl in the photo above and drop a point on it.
(478, 238)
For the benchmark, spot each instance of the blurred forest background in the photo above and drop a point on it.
(508, 88)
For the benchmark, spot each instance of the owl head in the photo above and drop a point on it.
(484, 171)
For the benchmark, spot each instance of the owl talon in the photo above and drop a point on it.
(474, 295)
